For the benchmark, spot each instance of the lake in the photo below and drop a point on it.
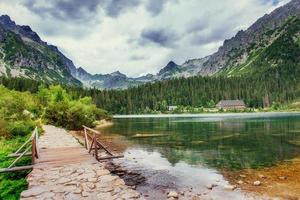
(182, 151)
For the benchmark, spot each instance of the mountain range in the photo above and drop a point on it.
(272, 40)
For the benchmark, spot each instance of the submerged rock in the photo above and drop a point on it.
(196, 198)
(242, 176)
(282, 177)
(230, 187)
(211, 186)
(261, 176)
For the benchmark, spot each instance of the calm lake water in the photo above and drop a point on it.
(182, 151)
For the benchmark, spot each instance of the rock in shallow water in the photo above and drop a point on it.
(282, 177)
(230, 187)
(211, 186)
(261, 176)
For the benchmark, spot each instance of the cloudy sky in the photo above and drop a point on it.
(136, 36)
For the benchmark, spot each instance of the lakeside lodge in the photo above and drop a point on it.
(231, 104)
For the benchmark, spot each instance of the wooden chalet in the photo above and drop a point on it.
(231, 104)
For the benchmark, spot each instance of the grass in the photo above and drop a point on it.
(12, 184)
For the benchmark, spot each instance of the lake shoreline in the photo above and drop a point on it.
(283, 189)
(279, 181)
(103, 123)
(249, 114)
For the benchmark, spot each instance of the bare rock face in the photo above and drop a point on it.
(24, 31)
(2, 33)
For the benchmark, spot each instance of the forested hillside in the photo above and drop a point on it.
(282, 52)
(278, 86)
(257, 92)
(270, 75)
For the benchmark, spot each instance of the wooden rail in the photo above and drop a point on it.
(31, 143)
(96, 145)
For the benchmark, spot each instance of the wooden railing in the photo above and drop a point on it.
(30, 144)
(93, 145)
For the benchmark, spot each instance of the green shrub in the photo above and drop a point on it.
(101, 114)
(3, 129)
(55, 113)
(80, 114)
(66, 112)
(20, 128)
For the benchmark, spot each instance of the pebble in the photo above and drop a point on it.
(282, 177)
(172, 194)
(230, 187)
(257, 183)
(196, 198)
(240, 182)
(261, 176)
(242, 176)
(211, 186)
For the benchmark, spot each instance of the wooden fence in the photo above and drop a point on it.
(93, 145)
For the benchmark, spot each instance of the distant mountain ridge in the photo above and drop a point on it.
(24, 54)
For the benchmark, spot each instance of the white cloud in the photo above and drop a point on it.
(103, 44)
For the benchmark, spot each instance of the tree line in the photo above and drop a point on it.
(280, 84)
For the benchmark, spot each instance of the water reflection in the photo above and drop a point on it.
(218, 142)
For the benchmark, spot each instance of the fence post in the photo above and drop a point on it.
(36, 143)
(33, 149)
(86, 139)
(96, 150)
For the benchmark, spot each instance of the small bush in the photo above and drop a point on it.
(20, 128)
(66, 112)
(55, 113)
(80, 114)
(3, 129)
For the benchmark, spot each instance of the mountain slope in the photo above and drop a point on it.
(270, 44)
(240, 52)
(241, 49)
(283, 51)
(24, 54)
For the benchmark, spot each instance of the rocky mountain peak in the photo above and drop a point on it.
(22, 30)
(6, 21)
(118, 73)
(171, 66)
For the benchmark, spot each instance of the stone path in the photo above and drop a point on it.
(66, 171)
